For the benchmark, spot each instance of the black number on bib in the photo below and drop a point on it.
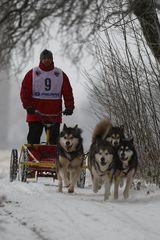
(47, 84)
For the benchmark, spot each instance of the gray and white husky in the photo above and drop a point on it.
(70, 157)
(101, 160)
(105, 130)
(115, 135)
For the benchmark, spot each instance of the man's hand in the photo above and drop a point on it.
(68, 112)
(30, 110)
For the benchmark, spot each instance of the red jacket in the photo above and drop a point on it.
(47, 106)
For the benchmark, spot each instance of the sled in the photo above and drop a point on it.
(37, 160)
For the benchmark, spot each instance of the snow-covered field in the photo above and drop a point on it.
(32, 211)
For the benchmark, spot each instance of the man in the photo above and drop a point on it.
(43, 88)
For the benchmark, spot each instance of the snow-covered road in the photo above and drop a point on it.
(37, 211)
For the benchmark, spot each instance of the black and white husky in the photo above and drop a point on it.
(70, 157)
(127, 166)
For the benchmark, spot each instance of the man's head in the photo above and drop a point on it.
(46, 57)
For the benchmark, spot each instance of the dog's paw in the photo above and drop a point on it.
(59, 189)
(115, 195)
(95, 190)
(106, 196)
(71, 190)
(125, 194)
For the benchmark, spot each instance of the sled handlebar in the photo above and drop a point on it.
(48, 115)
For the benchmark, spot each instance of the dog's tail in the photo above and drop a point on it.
(101, 129)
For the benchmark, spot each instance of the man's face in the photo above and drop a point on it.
(46, 61)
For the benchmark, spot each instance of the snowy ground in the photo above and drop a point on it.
(37, 211)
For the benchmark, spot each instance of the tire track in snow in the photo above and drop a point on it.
(23, 223)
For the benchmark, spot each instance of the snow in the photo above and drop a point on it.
(35, 210)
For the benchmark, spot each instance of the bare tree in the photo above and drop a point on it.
(24, 22)
(145, 11)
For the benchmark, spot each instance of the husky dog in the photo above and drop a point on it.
(101, 160)
(105, 130)
(128, 163)
(70, 157)
(115, 135)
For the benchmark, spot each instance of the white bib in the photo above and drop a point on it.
(47, 85)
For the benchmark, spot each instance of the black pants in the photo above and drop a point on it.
(36, 129)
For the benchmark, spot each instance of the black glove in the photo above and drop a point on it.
(68, 111)
(30, 110)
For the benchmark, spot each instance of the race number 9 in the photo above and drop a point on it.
(47, 84)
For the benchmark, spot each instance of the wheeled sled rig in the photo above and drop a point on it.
(37, 160)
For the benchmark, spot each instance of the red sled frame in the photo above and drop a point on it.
(37, 160)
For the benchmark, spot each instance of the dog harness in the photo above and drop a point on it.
(102, 173)
(72, 155)
(125, 170)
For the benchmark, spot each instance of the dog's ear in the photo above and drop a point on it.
(79, 131)
(64, 126)
(76, 126)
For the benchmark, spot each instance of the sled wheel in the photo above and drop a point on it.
(82, 178)
(13, 165)
(54, 174)
(23, 168)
